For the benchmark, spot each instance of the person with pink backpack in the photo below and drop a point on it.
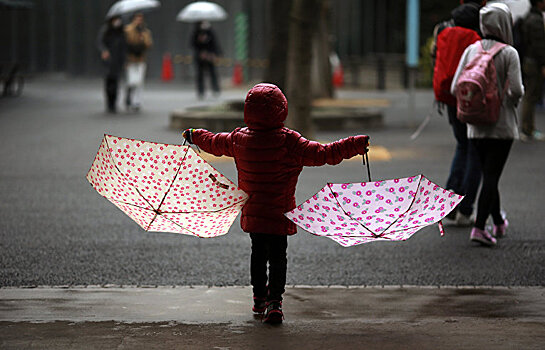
(488, 87)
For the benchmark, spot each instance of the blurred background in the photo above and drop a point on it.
(368, 36)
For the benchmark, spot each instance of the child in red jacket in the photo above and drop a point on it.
(269, 158)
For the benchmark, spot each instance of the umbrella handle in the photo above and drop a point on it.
(365, 158)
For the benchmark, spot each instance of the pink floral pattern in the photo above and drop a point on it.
(165, 188)
(393, 210)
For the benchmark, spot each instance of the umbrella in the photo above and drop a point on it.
(165, 188)
(519, 8)
(125, 7)
(393, 210)
(201, 11)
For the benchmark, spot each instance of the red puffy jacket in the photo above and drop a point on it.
(270, 157)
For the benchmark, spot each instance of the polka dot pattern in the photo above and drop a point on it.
(356, 213)
(165, 188)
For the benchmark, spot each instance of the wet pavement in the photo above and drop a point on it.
(315, 318)
(56, 231)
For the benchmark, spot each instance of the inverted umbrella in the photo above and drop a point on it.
(125, 7)
(393, 210)
(201, 11)
(165, 188)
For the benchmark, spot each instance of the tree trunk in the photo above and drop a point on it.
(278, 11)
(302, 28)
(322, 86)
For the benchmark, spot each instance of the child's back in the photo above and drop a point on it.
(269, 158)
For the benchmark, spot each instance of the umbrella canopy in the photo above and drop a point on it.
(165, 188)
(126, 7)
(356, 213)
(201, 11)
(519, 8)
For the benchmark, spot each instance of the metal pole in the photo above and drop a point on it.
(413, 28)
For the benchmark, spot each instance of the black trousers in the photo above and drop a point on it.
(271, 249)
(110, 88)
(493, 154)
(203, 66)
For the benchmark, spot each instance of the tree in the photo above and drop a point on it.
(279, 19)
(302, 30)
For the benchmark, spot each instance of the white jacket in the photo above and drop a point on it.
(495, 20)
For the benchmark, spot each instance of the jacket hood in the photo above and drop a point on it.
(496, 22)
(467, 16)
(265, 107)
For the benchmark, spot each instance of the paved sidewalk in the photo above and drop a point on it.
(316, 318)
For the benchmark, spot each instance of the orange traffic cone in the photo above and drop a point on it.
(237, 74)
(167, 73)
(338, 76)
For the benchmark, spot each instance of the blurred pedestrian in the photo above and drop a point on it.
(112, 46)
(450, 40)
(533, 32)
(206, 49)
(269, 158)
(139, 41)
(493, 141)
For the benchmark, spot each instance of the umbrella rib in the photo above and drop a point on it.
(177, 224)
(406, 211)
(173, 180)
(120, 172)
(151, 222)
(134, 205)
(344, 211)
(205, 211)
(400, 230)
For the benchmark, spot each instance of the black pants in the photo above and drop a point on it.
(111, 88)
(465, 171)
(202, 66)
(271, 249)
(493, 154)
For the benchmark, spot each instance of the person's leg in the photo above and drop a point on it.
(493, 155)
(499, 158)
(130, 77)
(458, 165)
(472, 180)
(214, 78)
(200, 79)
(140, 72)
(532, 93)
(258, 265)
(277, 266)
(110, 87)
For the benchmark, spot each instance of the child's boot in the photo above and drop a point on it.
(260, 305)
(274, 313)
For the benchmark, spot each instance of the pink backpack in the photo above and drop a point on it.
(477, 97)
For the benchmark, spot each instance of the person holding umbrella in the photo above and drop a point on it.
(203, 40)
(112, 46)
(206, 48)
(269, 158)
(139, 41)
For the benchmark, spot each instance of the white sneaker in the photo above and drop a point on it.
(464, 220)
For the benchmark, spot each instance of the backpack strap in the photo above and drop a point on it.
(494, 49)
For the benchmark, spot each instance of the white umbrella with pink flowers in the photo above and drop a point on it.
(165, 188)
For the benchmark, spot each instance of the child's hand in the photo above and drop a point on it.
(362, 142)
(188, 135)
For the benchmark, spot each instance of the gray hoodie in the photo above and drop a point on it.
(496, 25)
